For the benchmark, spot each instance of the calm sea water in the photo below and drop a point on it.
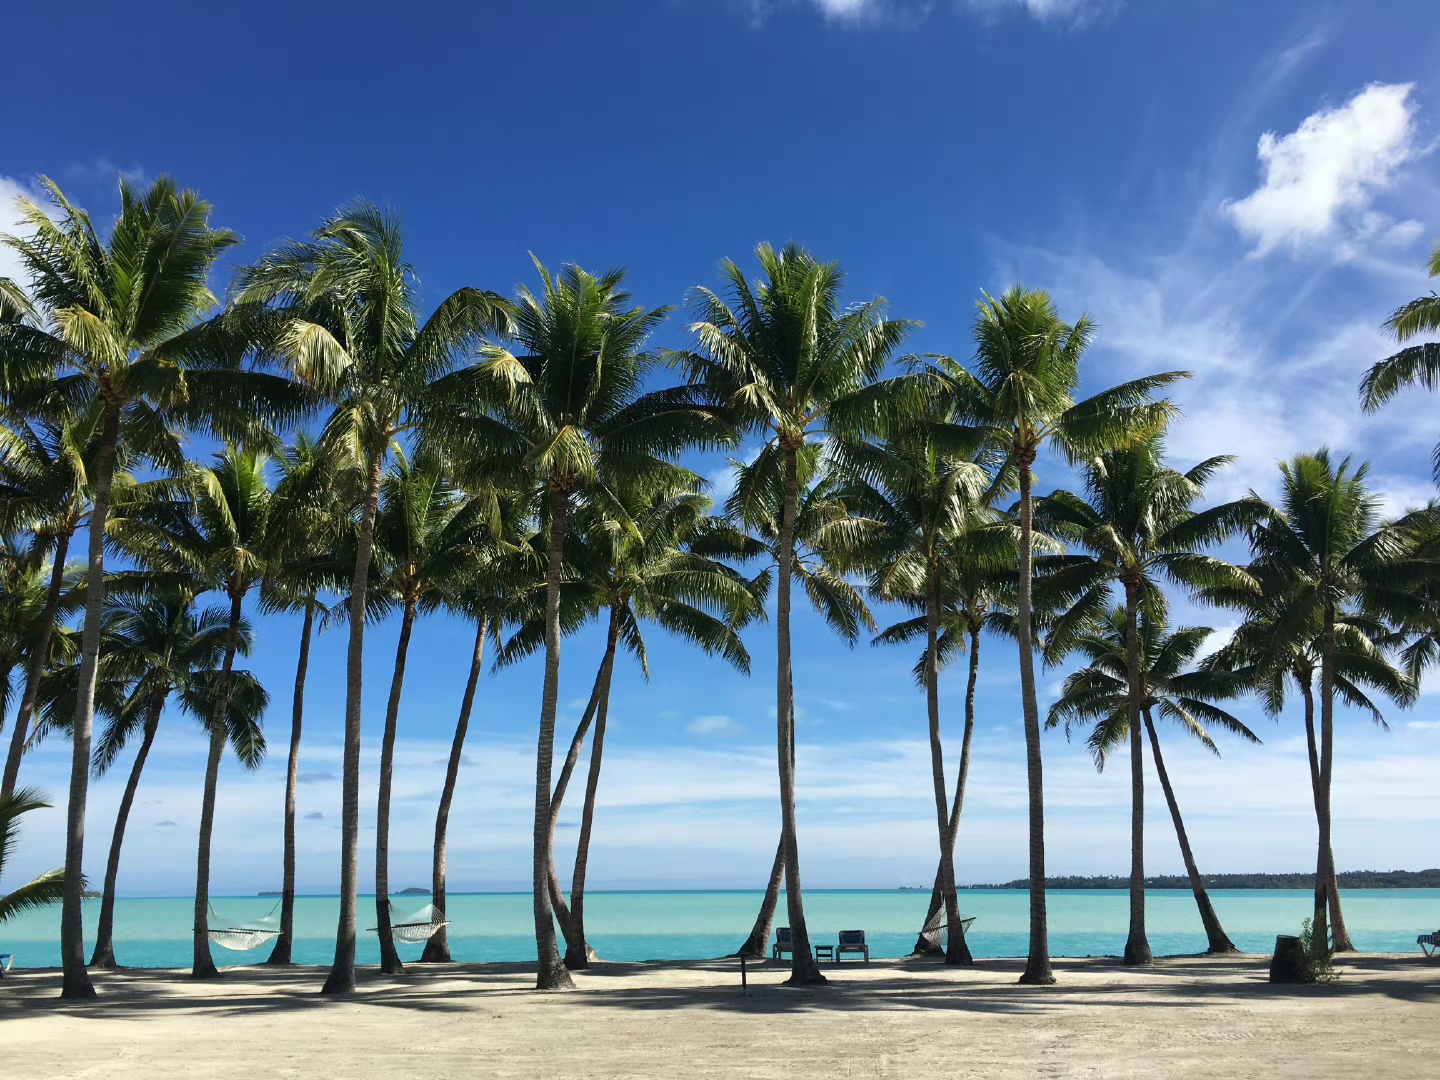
(698, 925)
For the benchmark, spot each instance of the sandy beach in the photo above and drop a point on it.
(1186, 1016)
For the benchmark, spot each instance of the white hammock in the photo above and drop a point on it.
(417, 928)
(937, 925)
(246, 937)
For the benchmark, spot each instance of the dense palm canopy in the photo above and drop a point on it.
(1019, 393)
(1099, 695)
(341, 311)
(118, 323)
(786, 360)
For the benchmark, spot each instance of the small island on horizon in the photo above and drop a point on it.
(1350, 879)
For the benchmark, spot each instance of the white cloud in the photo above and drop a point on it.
(867, 11)
(1324, 174)
(10, 223)
(712, 725)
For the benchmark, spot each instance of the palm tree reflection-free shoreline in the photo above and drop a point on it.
(687, 925)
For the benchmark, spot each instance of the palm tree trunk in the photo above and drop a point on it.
(557, 797)
(389, 958)
(577, 949)
(1325, 863)
(104, 954)
(1219, 941)
(1137, 944)
(204, 964)
(341, 979)
(281, 954)
(75, 980)
(946, 876)
(39, 654)
(1037, 964)
(922, 946)
(758, 943)
(550, 972)
(1339, 935)
(437, 949)
(803, 969)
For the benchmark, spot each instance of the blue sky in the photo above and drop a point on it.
(1244, 190)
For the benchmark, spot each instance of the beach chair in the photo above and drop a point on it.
(851, 941)
(1430, 940)
(7, 960)
(783, 944)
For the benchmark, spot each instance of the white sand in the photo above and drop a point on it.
(1190, 1017)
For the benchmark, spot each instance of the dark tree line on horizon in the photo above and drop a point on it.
(515, 460)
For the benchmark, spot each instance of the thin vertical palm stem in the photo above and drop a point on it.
(551, 973)
(75, 980)
(203, 966)
(104, 954)
(389, 958)
(1137, 944)
(284, 944)
(341, 979)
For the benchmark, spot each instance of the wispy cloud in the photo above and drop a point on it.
(712, 725)
(870, 12)
(1321, 179)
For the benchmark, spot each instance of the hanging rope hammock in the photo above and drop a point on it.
(246, 936)
(937, 925)
(415, 929)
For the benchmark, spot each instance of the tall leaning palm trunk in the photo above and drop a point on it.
(104, 954)
(39, 653)
(389, 958)
(551, 973)
(955, 950)
(1325, 866)
(577, 949)
(75, 981)
(803, 968)
(1137, 944)
(284, 944)
(203, 966)
(437, 949)
(1037, 964)
(1217, 940)
(341, 979)
(952, 829)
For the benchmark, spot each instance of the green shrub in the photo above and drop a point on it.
(1319, 956)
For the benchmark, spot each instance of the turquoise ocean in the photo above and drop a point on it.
(700, 925)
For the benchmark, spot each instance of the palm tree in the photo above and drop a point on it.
(1099, 694)
(1321, 552)
(350, 329)
(1279, 646)
(634, 563)
(429, 537)
(568, 410)
(977, 593)
(211, 523)
(824, 532)
(1415, 364)
(310, 518)
(919, 489)
(122, 332)
(49, 887)
(43, 470)
(24, 608)
(784, 358)
(1026, 370)
(1138, 526)
(486, 596)
(155, 644)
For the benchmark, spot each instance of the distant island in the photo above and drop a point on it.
(1350, 879)
(413, 891)
(271, 892)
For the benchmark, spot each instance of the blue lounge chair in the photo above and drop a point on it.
(1432, 940)
(782, 944)
(852, 941)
